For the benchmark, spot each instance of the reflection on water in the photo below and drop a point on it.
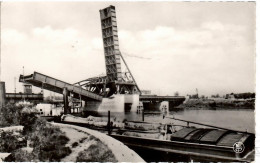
(236, 119)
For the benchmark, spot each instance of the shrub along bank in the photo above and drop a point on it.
(45, 142)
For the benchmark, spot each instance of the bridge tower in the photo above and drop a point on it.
(111, 44)
(117, 80)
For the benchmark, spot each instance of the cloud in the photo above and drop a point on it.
(60, 53)
(209, 46)
(213, 26)
(12, 36)
(215, 58)
(57, 37)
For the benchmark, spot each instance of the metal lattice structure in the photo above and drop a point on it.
(122, 82)
(94, 84)
(116, 81)
(111, 44)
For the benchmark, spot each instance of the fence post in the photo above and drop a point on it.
(108, 124)
(143, 115)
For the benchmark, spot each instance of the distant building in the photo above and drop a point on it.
(26, 96)
(27, 89)
(195, 96)
(146, 92)
(49, 110)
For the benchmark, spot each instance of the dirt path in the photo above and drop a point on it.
(77, 143)
(121, 152)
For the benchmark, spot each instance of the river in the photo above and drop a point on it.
(236, 119)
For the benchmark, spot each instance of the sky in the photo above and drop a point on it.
(169, 46)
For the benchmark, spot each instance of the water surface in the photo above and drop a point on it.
(236, 119)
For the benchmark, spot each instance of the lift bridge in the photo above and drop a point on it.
(118, 79)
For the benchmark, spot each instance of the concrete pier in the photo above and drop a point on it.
(66, 101)
(116, 103)
(2, 94)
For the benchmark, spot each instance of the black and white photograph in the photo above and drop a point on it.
(128, 81)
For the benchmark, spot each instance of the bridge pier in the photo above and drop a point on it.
(66, 101)
(2, 94)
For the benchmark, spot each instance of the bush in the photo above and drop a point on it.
(27, 120)
(24, 156)
(10, 115)
(97, 152)
(60, 153)
(9, 142)
(49, 141)
(212, 104)
(54, 154)
(75, 144)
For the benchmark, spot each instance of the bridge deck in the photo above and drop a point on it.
(55, 85)
(161, 98)
(23, 95)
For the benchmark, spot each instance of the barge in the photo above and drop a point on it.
(170, 141)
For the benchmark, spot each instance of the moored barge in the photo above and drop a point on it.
(196, 143)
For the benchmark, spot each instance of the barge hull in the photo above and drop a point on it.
(200, 152)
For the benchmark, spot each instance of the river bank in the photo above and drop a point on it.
(218, 103)
(27, 137)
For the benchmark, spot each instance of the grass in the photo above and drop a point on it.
(97, 152)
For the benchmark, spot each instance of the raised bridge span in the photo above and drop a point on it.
(52, 84)
(49, 83)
